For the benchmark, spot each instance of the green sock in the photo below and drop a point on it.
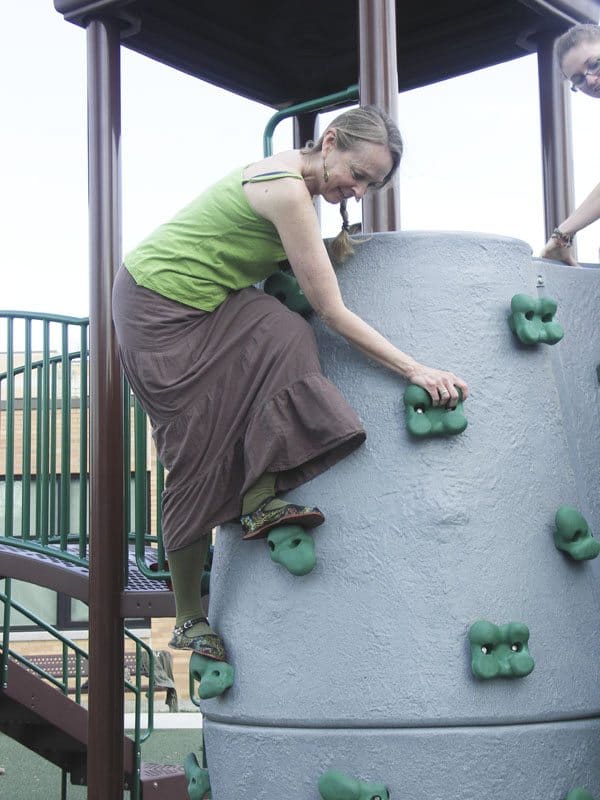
(186, 566)
(258, 493)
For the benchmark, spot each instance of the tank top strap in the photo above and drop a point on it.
(272, 176)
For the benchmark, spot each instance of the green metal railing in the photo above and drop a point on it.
(45, 431)
(326, 103)
(32, 388)
(44, 451)
(68, 647)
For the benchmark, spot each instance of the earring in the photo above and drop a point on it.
(325, 173)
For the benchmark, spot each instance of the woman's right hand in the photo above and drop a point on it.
(442, 386)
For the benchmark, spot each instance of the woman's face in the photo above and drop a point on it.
(581, 65)
(353, 172)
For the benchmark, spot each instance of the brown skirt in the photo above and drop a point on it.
(231, 394)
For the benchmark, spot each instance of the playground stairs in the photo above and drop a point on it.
(45, 541)
(42, 716)
(49, 723)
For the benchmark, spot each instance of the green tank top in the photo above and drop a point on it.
(214, 246)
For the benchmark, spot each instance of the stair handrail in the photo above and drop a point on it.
(69, 644)
(42, 537)
(52, 514)
(140, 735)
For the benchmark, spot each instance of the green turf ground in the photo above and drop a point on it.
(29, 777)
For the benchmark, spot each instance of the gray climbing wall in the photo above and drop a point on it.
(363, 665)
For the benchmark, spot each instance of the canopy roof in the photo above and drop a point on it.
(280, 52)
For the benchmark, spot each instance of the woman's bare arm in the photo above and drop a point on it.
(584, 215)
(287, 204)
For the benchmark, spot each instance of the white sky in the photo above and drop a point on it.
(472, 154)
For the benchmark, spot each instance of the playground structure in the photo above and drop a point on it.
(111, 597)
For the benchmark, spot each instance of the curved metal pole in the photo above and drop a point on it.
(325, 103)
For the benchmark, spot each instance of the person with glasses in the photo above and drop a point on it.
(577, 53)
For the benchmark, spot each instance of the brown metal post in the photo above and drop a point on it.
(105, 727)
(378, 85)
(304, 128)
(557, 150)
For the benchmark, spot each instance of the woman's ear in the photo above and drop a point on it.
(329, 141)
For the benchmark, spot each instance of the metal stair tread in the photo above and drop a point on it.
(142, 596)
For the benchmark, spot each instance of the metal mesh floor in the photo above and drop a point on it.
(142, 596)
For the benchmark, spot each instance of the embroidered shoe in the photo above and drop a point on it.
(257, 524)
(208, 645)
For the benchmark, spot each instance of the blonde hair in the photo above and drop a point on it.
(365, 124)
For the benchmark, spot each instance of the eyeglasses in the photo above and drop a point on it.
(579, 80)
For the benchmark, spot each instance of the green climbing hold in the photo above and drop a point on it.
(573, 535)
(198, 779)
(532, 320)
(335, 785)
(214, 677)
(286, 288)
(499, 651)
(579, 794)
(293, 547)
(424, 419)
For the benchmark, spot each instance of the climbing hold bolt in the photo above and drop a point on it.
(335, 785)
(499, 651)
(214, 677)
(532, 320)
(425, 419)
(293, 547)
(573, 535)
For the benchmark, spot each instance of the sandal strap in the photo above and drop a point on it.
(261, 505)
(181, 629)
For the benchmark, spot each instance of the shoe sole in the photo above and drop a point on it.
(311, 520)
(199, 652)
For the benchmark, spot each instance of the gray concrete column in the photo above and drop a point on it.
(364, 665)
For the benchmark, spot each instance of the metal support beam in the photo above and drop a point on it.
(557, 150)
(105, 728)
(378, 85)
(304, 128)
